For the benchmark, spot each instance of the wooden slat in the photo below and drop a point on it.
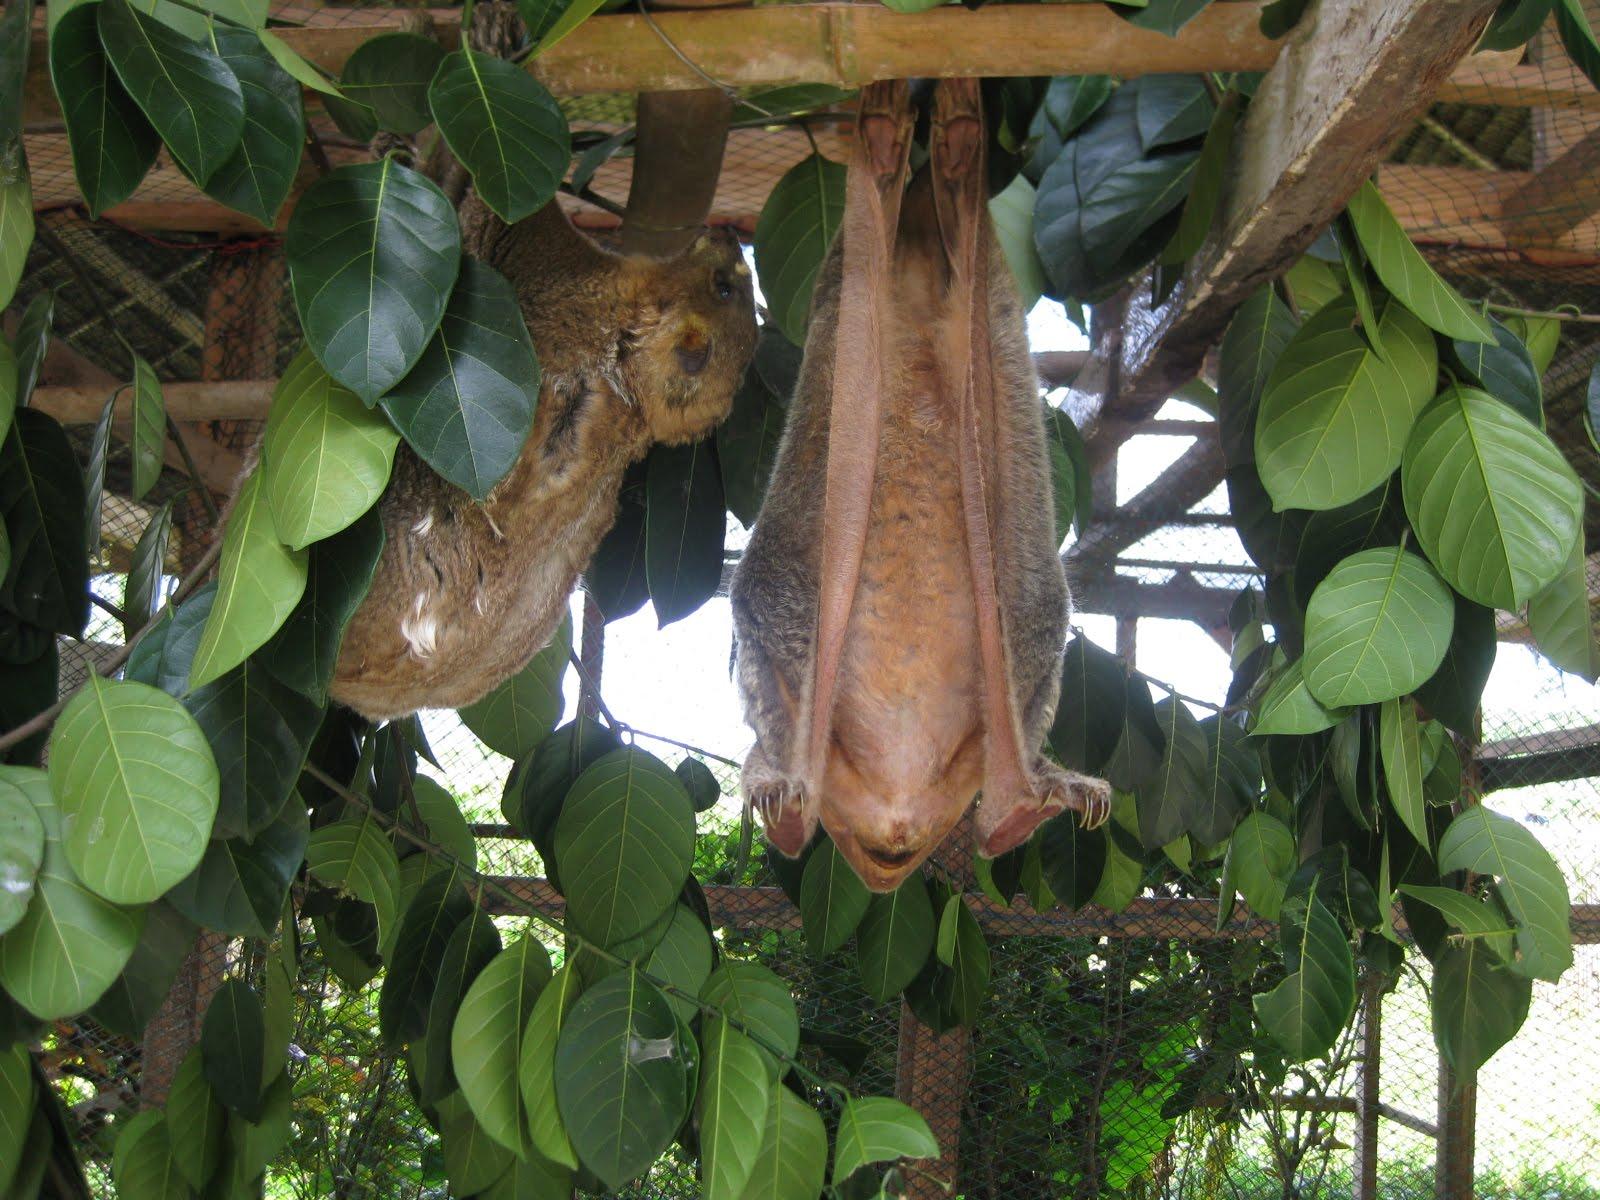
(1559, 196)
(1352, 78)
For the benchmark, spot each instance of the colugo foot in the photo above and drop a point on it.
(1005, 823)
(779, 801)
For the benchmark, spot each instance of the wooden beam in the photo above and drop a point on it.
(219, 400)
(1192, 477)
(1558, 197)
(1351, 79)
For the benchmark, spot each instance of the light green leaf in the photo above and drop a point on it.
(1402, 269)
(1011, 210)
(1477, 920)
(356, 856)
(486, 1044)
(1562, 620)
(1376, 627)
(733, 1101)
(291, 61)
(1305, 1013)
(1261, 857)
(137, 786)
(21, 843)
(17, 1095)
(193, 1108)
(518, 714)
(622, 1079)
(796, 227)
(1493, 502)
(682, 958)
(793, 1159)
(536, 1069)
(1335, 417)
(1530, 883)
(1289, 707)
(832, 900)
(149, 427)
(758, 1004)
(16, 221)
(894, 939)
(1121, 879)
(441, 813)
(1478, 1005)
(625, 844)
(144, 1163)
(326, 457)
(878, 1129)
(259, 582)
(1401, 749)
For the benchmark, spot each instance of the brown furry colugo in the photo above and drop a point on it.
(900, 642)
(633, 351)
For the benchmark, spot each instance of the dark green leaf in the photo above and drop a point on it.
(473, 944)
(42, 503)
(231, 1042)
(702, 786)
(536, 1073)
(1181, 773)
(832, 900)
(94, 474)
(467, 406)
(684, 528)
(1200, 208)
(615, 577)
(473, 1160)
(1514, 23)
(1402, 766)
(1306, 1012)
(1142, 745)
(894, 939)
(27, 688)
(1280, 16)
(372, 247)
(1089, 715)
(31, 341)
(1229, 787)
(193, 1108)
(355, 856)
(1577, 37)
(1072, 859)
(1255, 338)
(440, 906)
(1269, 537)
(518, 714)
(541, 787)
(142, 592)
(390, 74)
(257, 176)
(1064, 438)
(149, 428)
(1478, 1005)
(239, 886)
(133, 999)
(1504, 368)
(1073, 99)
(796, 228)
(1333, 535)
(747, 442)
(1170, 109)
(548, 21)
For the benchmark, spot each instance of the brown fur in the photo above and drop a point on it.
(909, 741)
(466, 593)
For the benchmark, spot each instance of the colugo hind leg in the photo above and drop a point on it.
(1021, 788)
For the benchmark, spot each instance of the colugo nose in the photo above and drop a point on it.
(692, 357)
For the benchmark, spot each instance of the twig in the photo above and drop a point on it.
(106, 606)
(689, 746)
(1558, 315)
(727, 89)
(319, 154)
(589, 196)
(594, 692)
(213, 514)
(113, 664)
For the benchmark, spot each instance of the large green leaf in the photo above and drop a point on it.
(615, 577)
(625, 843)
(473, 1160)
(1480, 922)
(305, 650)
(535, 793)
(446, 825)
(1402, 269)
(506, 129)
(1562, 619)
(1289, 707)
(21, 844)
(239, 886)
(1376, 627)
(1530, 883)
(134, 998)
(390, 74)
(192, 1107)
(188, 93)
(1229, 784)
(486, 1040)
(733, 1103)
(961, 948)
(1504, 368)
(793, 1160)
(1307, 1011)
(355, 856)
(373, 252)
(259, 582)
(467, 406)
(326, 457)
(1451, 694)
(145, 1162)
(1492, 501)
(832, 900)
(1335, 416)
(1136, 761)
(1256, 336)
(548, 21)
(877, 1129)
(682, 959)
(70, 944)
(536, 1070)
(1072, 859)
(252, 1145)
(759, 1004)
(520, 713)
(232, 1042)
(137, 786)
(894, 939)
(747, 442)
(257, 176)
(472, 946)
(684, 528)
(440, 906)
(1011, 210)
(42, 502)
(1210, 171)
(1401, 749)
(1180, 774)
(1261, 857)
(1478, 1005)
(796, 227)
(1094, 697)
(113, 145)
(621, 1077)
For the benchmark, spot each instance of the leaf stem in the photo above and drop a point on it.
(1542, 314)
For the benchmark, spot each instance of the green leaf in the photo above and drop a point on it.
(793, 1159)
(473, 1160)
(1307, 1011)
(1562, 619)
(1402, 269)
(253, 1145)
(759, 1004)
(1335, 417)
(193, 1108)
(17, 1095)
(733, 1103)
(142, 592)
(467, 406)
(473, 945)
(1530, 883)
(1011, 210)
(684, 528)
(1072, 859)
(137, 786)
(1258, 334)
(373, 253)
(536, 1069)
(1289, 707)
(832, 900)
(1493, 502)
(1094, 698)
(894, 939)
(113, 145)
(747, 442)
(520, 713)
(1163, 16)
(621, 1079)
(1180, 773)
(440, 906)
(1514, 23)
(290, 60)
(259, 582)
(1141, 748)
(506, 129)
(702, 786)
(239, 886)
(42, 503)
(1541, 335)
(1402, 766)
(1577, 38)
(8, 409)
(796, 227)
(32, 342)
(325, 458)
(21, 844)
(16, 222)
(535, 793)
(258, 175)
(1200, 208)
(625, 844)
(70, 944)
(877, 1129)
(188, 94)
(682, 958)
(390, 74)
(231, 1045)
(1452, 693)
(486, 1042)
(133, 999)
(303, 653)
(1230, 783)
(615, 577)
(967, 957)
(1478, 1005)
(1482, 923)
(1376, 627)
(445, 823)
(1261, 857)
(145, 1162)
(1504, 368)
(355, 856)
(1121, 880)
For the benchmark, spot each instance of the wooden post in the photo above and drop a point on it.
(1458, 1114)
(175, 1028)
(1369, 1099)
(591, 656)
